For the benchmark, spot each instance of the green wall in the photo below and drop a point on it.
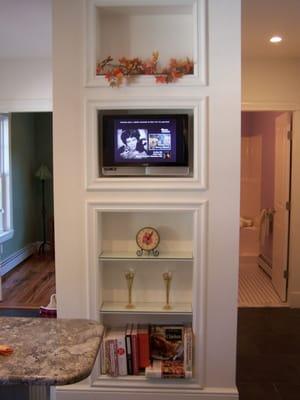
(31, 145)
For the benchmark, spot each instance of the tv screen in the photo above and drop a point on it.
(144, 140)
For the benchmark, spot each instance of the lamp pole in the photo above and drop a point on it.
(43, 174)
(42, 245)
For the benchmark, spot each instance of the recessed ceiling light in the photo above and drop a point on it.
(276, 39)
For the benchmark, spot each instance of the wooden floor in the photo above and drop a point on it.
(268, 354)
(29, 285)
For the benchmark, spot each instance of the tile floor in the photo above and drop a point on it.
(255, 287)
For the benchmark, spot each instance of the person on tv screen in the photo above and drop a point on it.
(134, 146)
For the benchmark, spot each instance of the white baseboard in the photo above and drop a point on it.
(94, 393)
(294, 299)
(16, 258)
(264, 265)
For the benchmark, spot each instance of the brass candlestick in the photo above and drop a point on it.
(167, 276)
(129, 275)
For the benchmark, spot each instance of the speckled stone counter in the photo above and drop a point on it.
(48, 351)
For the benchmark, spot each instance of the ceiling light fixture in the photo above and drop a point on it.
(276, 39)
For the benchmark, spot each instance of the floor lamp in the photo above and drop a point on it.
(43, 174)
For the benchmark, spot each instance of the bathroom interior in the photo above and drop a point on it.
(265, 183)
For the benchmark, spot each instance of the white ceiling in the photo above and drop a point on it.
(25, 28)
(262, 19)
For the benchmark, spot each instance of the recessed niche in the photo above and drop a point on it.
(195, 110)
(138, 31)
(174, 28)
(112, 229)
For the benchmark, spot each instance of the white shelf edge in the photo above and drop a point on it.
(141, 382)
(145, 308)
(148, 81)
(106, 379)
(116, 256)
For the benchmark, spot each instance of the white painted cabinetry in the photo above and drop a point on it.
(97, 217)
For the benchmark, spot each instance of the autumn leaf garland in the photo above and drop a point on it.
(128, 68)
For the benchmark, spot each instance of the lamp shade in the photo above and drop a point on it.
(43, 173)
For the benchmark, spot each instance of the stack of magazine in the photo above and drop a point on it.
(157, 351)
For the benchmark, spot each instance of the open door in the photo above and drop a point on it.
(281, 204)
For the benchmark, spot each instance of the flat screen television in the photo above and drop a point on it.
(144, 141)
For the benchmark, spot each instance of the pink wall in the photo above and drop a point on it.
(251, 153)
(262, 123)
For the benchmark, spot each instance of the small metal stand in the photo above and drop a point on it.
(148, 253)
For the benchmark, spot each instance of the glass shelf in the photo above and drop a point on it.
(145, 308)
(119, 255)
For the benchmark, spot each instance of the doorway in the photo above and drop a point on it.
(27, 259)
(264, 209)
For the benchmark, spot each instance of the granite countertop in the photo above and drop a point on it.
(48, 351)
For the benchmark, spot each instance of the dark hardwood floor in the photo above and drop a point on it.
(268, 354)
(29, 285)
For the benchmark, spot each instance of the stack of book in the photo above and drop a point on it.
(158, 351)
(125, 351)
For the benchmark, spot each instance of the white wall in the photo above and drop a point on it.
(275, 85)
(26, 84)
(271, 81)
(70, 195)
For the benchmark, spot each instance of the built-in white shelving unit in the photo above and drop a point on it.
(135, 28)
(112, 251)
(194, 211)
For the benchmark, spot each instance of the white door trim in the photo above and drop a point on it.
(281, 224)
(261, 106)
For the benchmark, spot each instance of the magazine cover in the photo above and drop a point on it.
(167, 342)
(167, 370)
